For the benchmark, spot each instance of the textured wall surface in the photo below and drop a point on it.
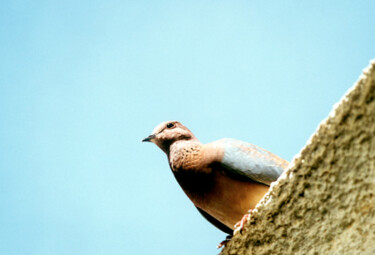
(325, 202)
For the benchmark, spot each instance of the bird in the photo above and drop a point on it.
(224, 179)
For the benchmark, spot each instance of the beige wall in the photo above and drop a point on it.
(325, 202)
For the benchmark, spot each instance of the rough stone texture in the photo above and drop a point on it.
(325, 202)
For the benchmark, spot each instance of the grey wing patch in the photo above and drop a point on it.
(215, 222)
(252, 161)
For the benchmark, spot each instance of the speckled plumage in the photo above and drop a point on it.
(224, 179)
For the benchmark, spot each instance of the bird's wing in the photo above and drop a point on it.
(250, 161)
(215, 222)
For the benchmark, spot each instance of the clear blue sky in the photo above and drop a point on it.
(82, 82)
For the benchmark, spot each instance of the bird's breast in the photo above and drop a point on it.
(191, 170)
(229, 199)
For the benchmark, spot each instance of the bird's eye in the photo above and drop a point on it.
(170, 125)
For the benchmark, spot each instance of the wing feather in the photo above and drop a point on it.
(251, 161)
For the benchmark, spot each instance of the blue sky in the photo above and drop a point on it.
(82, 82)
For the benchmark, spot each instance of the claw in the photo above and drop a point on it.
(240, 225)
(223, 243)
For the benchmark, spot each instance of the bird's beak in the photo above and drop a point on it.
(149, 138)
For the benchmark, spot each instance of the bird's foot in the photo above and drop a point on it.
(237, 228)
(240, 225)
(223, 243)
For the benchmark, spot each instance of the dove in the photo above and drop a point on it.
(224, 179)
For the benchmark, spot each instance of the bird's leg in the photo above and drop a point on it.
(223, 243)
(240, 225)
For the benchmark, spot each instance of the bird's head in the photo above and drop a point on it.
(169, 132)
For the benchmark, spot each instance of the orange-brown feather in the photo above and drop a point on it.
(204, 181)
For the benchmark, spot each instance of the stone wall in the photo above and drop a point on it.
(325, 202)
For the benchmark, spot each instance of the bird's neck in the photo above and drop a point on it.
(186, 159)
(182, 154)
